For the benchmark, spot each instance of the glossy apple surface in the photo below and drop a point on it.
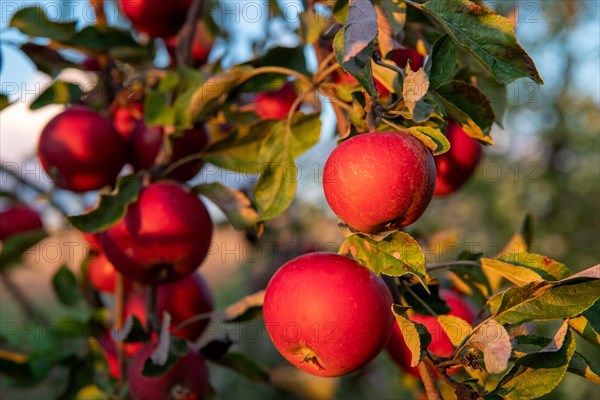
(18, 219)
(379, 181)
(156, 18)
(327, 314)
(276, 104)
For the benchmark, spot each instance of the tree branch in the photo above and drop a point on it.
(183, 51)
(433, 393)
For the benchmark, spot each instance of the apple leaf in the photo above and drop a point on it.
(306, 131)
(34, 22)
(431, 137)
(275, 189)
(65, 287)
(59, 92)
(132, 331)
(239, 310)
(489, 37)
(474, 278)
(415, 335)
(493, 341)
(111, 207)
(414, 89)
(354, 45)
(579, 365)
(497, 93)
(235, 204)
(469, 107)
(456, 328)
(114, 42)
(394, 254)
(587, 325)
(537, 374)
(244, 366)
(14, 247)
(47, 60)
(165, 357)
(431, 298)
(523, 268)
(441, 65)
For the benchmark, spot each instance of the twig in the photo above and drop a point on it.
(183, 51)
(433, 392)
(379, 61)
(434, 266)
(151, 309)
(24, 302)
(98, 6)
(119, 320)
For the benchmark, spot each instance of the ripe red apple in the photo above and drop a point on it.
(327, 314)
(401, 57)
(18, 219)
(91, 64)
(81, 150)
(102, 274)
(186, 379)
(182, 300)
(440, 343)
(202, 44)
(164, 236)
(276, 104)
(110, 352)
(156, 18)
(192, 141)
(379, 180)
(456, 166)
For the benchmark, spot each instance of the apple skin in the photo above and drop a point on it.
(328, 307)
(110, 352)
(102, 274)
(18, 219)
(182, 300)
(401, 57)
(202, 44)
(163, 237)
(189, 374)
(190, 142)
(81, 150)
(379, 181)
(156, 18)
(276, 104)
(456, 166)
(440, 343)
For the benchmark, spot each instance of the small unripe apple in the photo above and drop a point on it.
(156, 18)
(18, 219)
(379, 181)
(202, 44)
(81, 150)
(456, 166)
(276, 104)
(327, 314)
(164, 236)
(440, 343)
(182, 300)
(186, 379)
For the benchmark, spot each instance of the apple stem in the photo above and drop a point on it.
(434, 266)
(433, 392)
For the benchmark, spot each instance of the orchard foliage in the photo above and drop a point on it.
(406, 67)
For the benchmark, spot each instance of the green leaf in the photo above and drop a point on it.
(497, 93)
(415, 335)
(4, 102)
(489, 37)
(493, 341)
(475, 278)
(523, 268)
(176, 348)
(287, 57)
(537, 374)
(431, 137)
(30, 369)
(395, 254)
(32, 21)
(47, 60)
(354, 45)
(111, 207)
(306, 131)
(115, 42)
(65, 287)
(432, 299)
(275, 189)
(244, 366)
(581, 366)
(456, 328)
(233, 203)
(14, 247)
(587, 325)
(59, 92)
(442, 62)
(469, 107)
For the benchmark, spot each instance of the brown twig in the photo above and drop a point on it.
(433, 392)
(183, 51)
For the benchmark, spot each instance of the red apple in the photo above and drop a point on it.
(192, 141)
(164, 236)
(18, 219)
(440, 343)
(102, 274)
(456, 166)
(110, 353)
(401, 57)
(327, 314)
(156, 18)
(81, 150)
(379, 180)
(186, 379)
(182, 300)
(202, 44)
(276, 104)
(91, 64)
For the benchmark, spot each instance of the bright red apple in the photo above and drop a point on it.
(164, 236)
(440, 343)
(186, 379)
(102, 274)
(182, 300)
(379, 181)
(81, 150)
(456, 166)
(154, 17)
(202, 44)
(276, 104)
(18, 219)
(327, 314)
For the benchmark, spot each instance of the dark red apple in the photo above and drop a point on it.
(18, 219)
(81, 150)
(164, 236)
(202, 44)
(276, 104)
(401, 57)
(186, 379)
(327, 314)
(154, 17)
(440, 343)
(91, 64)
(110, 353)
(191, 142)
(379, 180)
(456, 166)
